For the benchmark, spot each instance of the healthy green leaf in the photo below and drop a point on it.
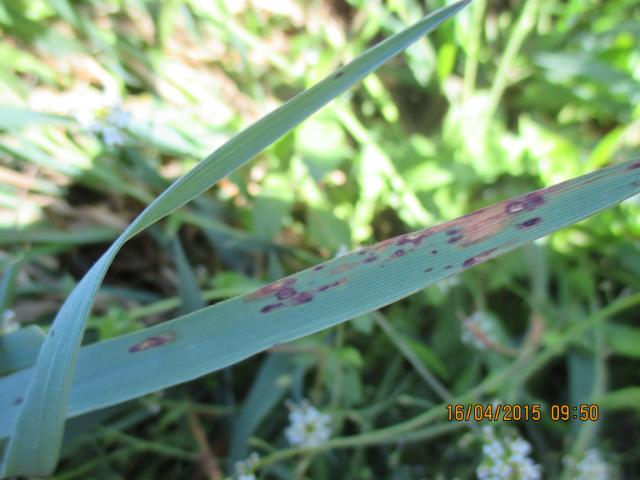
(20, 349)
(35, 443)
(623, 399)
(126, 367)
(12, 118)
(271, 383)
(624, 340)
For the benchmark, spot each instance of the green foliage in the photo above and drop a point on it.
(502, 99)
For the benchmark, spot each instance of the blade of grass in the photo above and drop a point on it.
(126, 367)
(20, 349)
(272, 382)
(35, 443)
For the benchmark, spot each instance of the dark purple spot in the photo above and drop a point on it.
(151, 342)
(452, 231)
(370, 259)
(529, 223)
(285, 292)
(514, 206)
(434, 252)
(362, 252)
(486, 253)
(272, 307)
(454, 239)
(302, 297)
(318, 267)
(398, 253)
(427, 270)
(52, 333)
(339, 74)
(469, 262)
(634, 165)
(328, 286)
(18, 400)
(448, 267)
(532, 201)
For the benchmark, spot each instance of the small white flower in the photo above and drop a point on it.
(245, 469)
(506, 458)
(112, 136)
(118, 117)
(307, 426)
(107, 122)
(87, 120)
(520, 448)
(591, 467)
(494, 449)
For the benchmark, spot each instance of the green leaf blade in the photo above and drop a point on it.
(35, 444)
(123, 368)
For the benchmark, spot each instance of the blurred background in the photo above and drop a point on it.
(104, 103)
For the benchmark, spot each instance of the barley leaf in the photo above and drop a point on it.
(215, 337)
(35, 442)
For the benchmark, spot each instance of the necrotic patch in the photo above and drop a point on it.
(302, 297)
(342, 268)
(285, 292)
(270, 289)
(332, 284)
(271, 307)
(514, 206)
(533, 201)
(529, 223)
(634, 165)
(154, 341)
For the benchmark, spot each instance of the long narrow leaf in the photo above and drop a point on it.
(35, 443)
(20, 349)
(126, 367)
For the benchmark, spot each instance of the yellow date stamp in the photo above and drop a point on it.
(498, 412)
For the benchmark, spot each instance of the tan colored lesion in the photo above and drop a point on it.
(270, 289)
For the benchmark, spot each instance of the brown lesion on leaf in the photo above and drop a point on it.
(153, 341)
(481, 257)
(271, 307)
(635, 165)
(300, 298)
(478, 226)
(270, 289)
(334, 284)
(345, 267)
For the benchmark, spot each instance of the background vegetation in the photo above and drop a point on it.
(105, 103)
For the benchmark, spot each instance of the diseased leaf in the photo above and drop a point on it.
(220, 335)
(35, 444)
